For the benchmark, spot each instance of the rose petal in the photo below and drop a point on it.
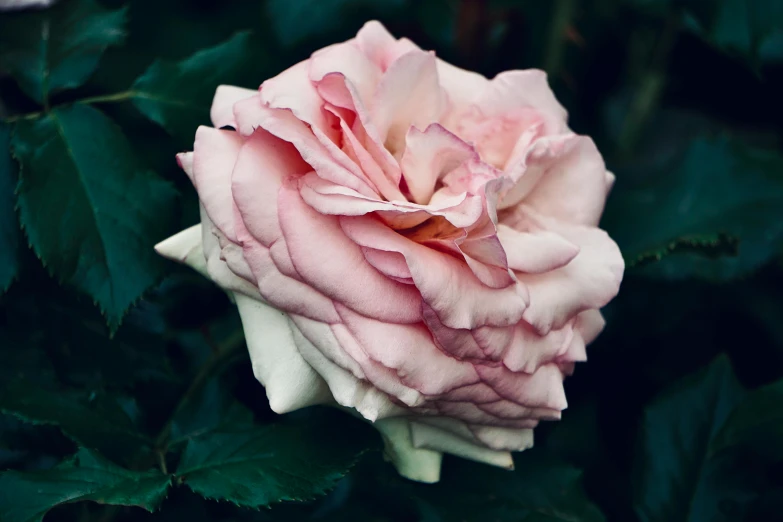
(512, 90)
(214, 155)
(262, 164)
(346, 277)
(535, 252)
(290, 382)
(222, 111)
(409, 94)
(447, 285)
(590, 280)
(430, 155)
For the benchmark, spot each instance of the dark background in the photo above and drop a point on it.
(678, 416)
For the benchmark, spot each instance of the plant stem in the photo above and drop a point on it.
(20, 117)
(650, 88)
(228, 350)
(556, 45)
(108, 98)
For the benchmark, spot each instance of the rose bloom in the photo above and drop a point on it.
(407, 240)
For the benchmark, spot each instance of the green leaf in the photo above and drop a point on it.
(26, 497)
(541, 488)
(720, 192)
(743, 27)
(177, 96)
(676, 476)
(736, 26)
(259, 465)
(97, 422)
(9, 225)
(756, 423)
(297, 21)
(58, 48)
(213, 410)
(90, 212)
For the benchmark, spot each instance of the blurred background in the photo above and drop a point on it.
(678, 416)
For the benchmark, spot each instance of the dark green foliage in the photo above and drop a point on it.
(147, 401)
(254, 466)
(721, 201)
(90, 211)
(177, 96)
(677, 475)
(541, 489)
(58, 49)
(26, 497)
(9, 230)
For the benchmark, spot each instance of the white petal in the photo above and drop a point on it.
(427, 436)
(290, 382)
(185, 247)
(421, 465)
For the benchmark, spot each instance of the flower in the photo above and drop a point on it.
(408, 240)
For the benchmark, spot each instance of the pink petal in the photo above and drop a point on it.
(535, 252)
(407, 349)
(262, 165)
(251, 114)
(390, 264)
(461, 86)
(341, 93)
(335, 265)
(512, 90)
(185, 162)
(430, 155)
(370, 167)
(293, 90)
(565, 179)
(590, 280)
(542, 389)
(409, 94)
(222, 111)
(214, 155)
(283, 292)
(348, 60)
(380, 46)
(447, 285)
(333, 199)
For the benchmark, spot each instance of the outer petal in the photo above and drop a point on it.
(290, 382)
(535, 252)
(293, 90)
(348, 390)
(348, 60)
(262, 165)
(512, 90)
(408, 350)
(564, 178)
(590, 280)
(321, 154)
(380, 46)
(214, 155)
(421, 465)
(433, 437)
(185, 247)
(222, 111)
(334, 265)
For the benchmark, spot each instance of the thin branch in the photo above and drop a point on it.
(216, 363)
(109, 98)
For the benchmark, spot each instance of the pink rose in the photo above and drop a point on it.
(409, 240)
